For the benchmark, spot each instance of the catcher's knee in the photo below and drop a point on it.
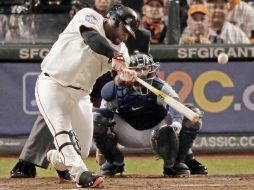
(188, 125)
(103, 121)
(165, 143)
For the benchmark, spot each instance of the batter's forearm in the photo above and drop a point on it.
(97, 42)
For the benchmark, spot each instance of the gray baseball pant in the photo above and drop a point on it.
(39, 142)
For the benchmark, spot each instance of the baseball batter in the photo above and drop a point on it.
(40, 139)
(81, 54)
(135, 117)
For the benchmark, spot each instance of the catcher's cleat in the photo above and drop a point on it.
(178, 170)
(64, 176)
(111, 169)
(23, 169)
(89, 179)
(168, 172)
(196, 168)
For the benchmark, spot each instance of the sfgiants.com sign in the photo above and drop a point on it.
(224, 142)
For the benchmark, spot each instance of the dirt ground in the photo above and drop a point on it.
(128, 182)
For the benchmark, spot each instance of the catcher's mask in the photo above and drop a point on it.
(146, 69)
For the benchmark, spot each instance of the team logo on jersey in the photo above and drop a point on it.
(91, 19)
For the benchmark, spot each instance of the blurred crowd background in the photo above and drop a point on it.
(170, 21)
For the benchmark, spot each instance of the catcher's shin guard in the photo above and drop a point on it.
(187, 135)
(104, 137)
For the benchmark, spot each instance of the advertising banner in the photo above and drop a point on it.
(223, 92)
(37, 51)
(18, 108)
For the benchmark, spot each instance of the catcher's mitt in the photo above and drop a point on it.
(165, 142)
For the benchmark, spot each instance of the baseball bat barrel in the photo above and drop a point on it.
(178, 106)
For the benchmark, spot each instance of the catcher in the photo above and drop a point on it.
(134, 117)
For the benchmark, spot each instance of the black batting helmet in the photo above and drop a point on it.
(125, 15)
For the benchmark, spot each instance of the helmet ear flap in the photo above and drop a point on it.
(114, 20)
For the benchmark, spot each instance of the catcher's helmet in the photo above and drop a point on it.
(144, 63)
(125, 15)
(140, 60)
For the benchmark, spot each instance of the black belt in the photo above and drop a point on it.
(77, 88)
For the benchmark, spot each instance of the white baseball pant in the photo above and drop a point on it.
(66, 109)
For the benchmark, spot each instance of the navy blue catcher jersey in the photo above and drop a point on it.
(141, 111)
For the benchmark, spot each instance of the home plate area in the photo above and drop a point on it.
(209, 182)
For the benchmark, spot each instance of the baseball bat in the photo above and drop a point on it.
(178, 106)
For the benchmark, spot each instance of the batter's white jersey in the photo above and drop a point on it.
(79, 65)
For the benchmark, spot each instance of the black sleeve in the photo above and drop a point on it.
(96, 42)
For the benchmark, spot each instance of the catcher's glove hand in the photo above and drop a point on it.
(176, 126)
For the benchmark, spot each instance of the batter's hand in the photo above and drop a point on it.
(127, 76)
(118, 62)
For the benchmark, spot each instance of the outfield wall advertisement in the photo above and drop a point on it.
(224, 92)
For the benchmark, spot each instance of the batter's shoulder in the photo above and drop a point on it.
(88, 13)
(88, 10)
